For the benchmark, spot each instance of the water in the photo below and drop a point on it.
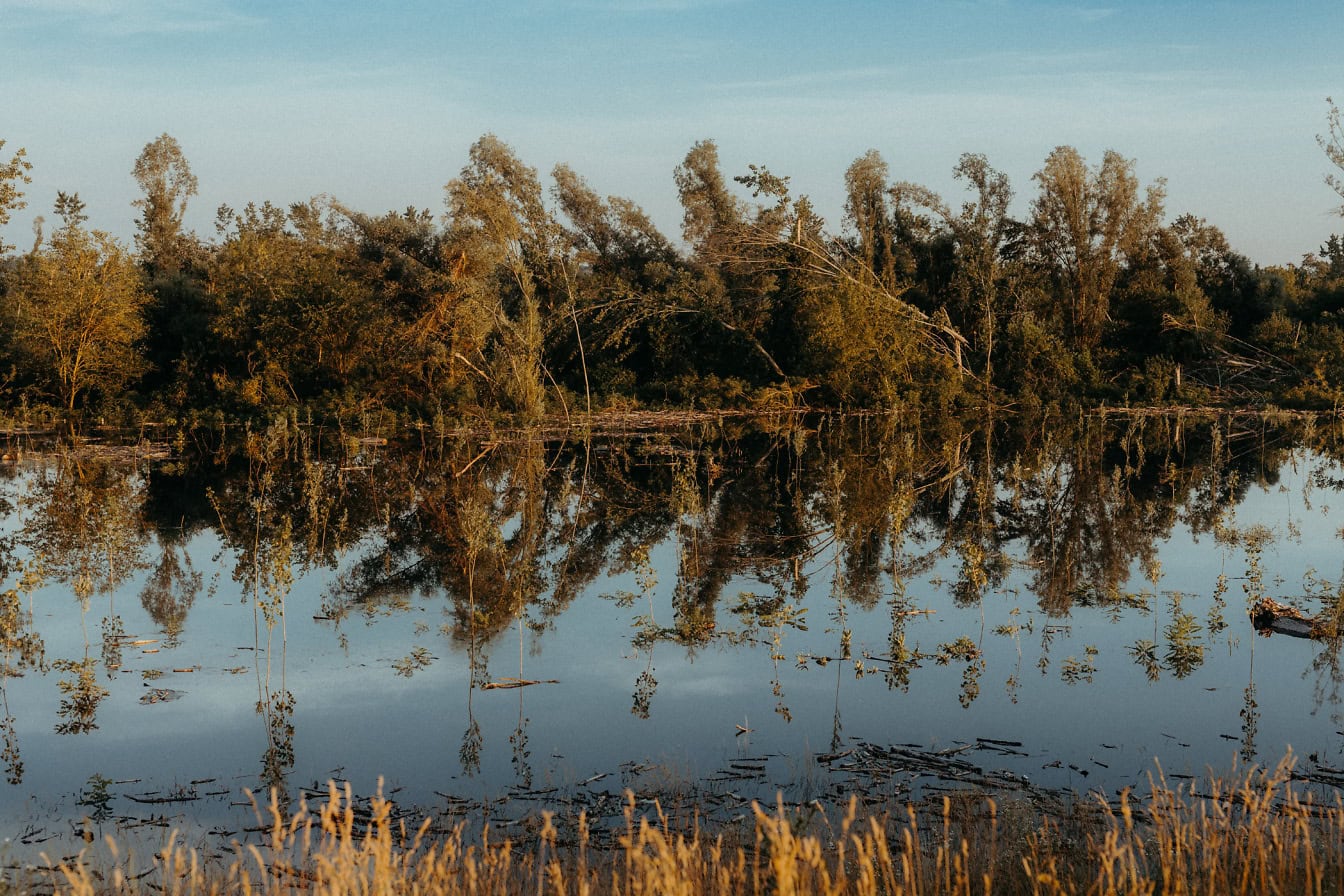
(737, 610)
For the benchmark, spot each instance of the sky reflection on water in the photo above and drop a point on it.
(1060, 594)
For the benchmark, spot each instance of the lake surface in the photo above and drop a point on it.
(813, 606)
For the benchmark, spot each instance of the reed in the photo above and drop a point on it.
(1256, 834)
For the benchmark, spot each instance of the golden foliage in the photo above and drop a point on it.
(1257, 835)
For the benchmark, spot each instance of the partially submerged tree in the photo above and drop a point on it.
(173, 259)
(293, 320)
(979, 232)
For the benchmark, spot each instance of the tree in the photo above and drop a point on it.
(504, 241)
(294, 317)
(734, 288)
(1333, 144)
(624, 269)
(77, 309)
(1085, 222)
(711, 214)
(163, 174)
(979, 233)
(867, 213)
(12, 174)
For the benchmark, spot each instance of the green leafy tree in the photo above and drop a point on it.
(77, 308)
(178, 317)
(166, 179)
(732, 298)
(292, 320)
(980, 232)
(397, 259)
(1332, 142)
(953, 260)
(869, 216)
(1085, 222)
(12, 174)
(502, 242)
(625, 276)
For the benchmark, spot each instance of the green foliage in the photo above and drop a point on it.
(76, 312)
(166, 179)
(12, 174)
(1085, 223)
(1333, 144)
(522, 304)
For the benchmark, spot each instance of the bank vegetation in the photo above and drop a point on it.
(1255, 835)
(524, 298)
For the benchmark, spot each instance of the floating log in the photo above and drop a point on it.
(516, 683)
(1269, 617)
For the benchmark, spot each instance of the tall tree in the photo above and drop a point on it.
(501, 236)
(166, 179)
(867, 213)
(12, 174)
(1085, 222)
(625, 272)
(711, 213)
(734, 292)
(980, 231)
(77, 308)
(1333, 144)
(178, 315)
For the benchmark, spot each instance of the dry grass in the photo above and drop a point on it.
(1257, 835)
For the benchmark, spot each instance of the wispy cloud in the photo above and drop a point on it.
(127, 17)
(640, 6)
(1092, 13)
(875, 74)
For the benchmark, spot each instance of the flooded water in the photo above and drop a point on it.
(808, 605)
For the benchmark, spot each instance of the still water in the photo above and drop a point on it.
(736, 608)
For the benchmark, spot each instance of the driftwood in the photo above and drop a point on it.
(516, 683)
(1270, 617)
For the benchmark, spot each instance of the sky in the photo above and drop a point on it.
(378, 104)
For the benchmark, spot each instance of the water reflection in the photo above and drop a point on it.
(975, 565)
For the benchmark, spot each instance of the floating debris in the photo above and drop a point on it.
(1269, 617)
(183, 797)
(160, 695)
(516, 683)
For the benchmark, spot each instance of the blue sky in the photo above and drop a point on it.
(378, 104)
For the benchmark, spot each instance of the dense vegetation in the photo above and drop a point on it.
(1245, 836)
(528, 301)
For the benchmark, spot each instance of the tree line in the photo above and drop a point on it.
(528, 299)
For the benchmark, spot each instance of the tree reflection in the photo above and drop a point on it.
(86, 526)
(21, 649)
(85, 523)
(1043, 522)
(80, 695)
(171, 590)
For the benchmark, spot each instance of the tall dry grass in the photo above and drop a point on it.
(1256, 835)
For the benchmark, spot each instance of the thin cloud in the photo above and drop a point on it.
(126, 17)
(804, 80)
(1092, 14)
(641, 6)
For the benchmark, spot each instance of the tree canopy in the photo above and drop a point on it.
(527, 298)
